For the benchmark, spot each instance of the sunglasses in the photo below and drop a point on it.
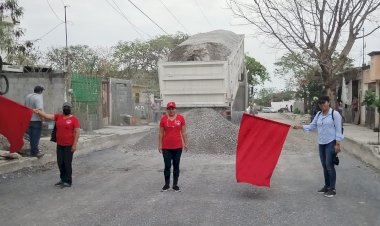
(170, 109)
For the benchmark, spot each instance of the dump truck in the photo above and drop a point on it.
(206, 70)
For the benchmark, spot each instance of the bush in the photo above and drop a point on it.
(297, 111)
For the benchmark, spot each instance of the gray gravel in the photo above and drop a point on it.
(209, 46)
(208, 132)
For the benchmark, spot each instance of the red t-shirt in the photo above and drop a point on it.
(65, 129)
(172, 138)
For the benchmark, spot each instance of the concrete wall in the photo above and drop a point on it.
(121, 100)
(21, 84)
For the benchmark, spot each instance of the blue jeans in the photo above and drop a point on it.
(34, 132)
(326, 154)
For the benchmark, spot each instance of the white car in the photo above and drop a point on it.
(268, 110)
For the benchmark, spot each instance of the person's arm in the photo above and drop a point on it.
(76, 138)
(311, 126)
(184, 137)
(160, 136)
(43, 114)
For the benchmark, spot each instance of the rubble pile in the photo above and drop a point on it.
(208, 133)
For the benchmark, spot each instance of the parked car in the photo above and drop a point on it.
(281, 110)
(268, 110)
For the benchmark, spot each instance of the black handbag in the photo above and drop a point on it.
(53, 135)
(336, 160)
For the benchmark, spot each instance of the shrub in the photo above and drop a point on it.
(297, 111)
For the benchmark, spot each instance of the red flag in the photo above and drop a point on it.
(14, 121)
(259, 146)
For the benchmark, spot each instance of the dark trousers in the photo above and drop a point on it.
(34, 132)
(171, 155)
(64, 160)
(327, 154)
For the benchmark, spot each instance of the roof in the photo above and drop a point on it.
(210, 46)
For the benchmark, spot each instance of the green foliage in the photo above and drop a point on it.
(83, 60)
(138, 55)
(264, 97)
(10, 15)
(376, 104)
(283, 96)
(297, 111)
(257, 73)
(369, 98)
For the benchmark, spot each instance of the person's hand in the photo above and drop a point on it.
(297, 127)
(73, 148)
(160, 149)
(337, 148)
(185, 147)
(36, 111)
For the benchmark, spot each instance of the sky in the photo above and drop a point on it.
(97, 23)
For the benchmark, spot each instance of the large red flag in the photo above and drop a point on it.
(259, 146)
(14, 121)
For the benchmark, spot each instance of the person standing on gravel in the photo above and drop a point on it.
(67, 133)
(330, 135)
(35, 101)
(172, 138)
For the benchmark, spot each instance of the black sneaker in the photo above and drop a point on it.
(176, 188)
(65, 185)
(323, 190)
(330, 193)
(59, 184)
(165, 187)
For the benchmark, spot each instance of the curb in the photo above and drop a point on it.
(85, 147)
(369, 154)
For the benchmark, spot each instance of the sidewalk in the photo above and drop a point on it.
(104, 138)
(358, 140)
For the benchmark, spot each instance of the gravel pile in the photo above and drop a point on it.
(210, 46)
(208, 133)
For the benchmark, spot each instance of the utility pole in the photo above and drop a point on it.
(363, 63)
(65, 71)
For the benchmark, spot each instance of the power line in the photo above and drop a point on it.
(51, 30)
(174, 16)
(148, 17)
(51, 8)
(203, 14)
(132, 24)
(118, 10)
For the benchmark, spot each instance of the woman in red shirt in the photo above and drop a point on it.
(172, 139)
(67, 132)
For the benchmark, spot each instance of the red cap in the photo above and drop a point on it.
(171, 105)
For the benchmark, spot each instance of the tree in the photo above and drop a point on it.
(318, 28)
(138, 55)
(264, 97)
(83, 60)
(256, 72)
(10, 15)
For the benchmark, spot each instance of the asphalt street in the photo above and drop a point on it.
(115, 187)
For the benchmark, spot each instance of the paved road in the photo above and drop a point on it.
(112, 187)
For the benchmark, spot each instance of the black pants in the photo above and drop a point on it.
(169, 156)
(64, 160)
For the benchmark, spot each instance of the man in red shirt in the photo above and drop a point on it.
(172, 138)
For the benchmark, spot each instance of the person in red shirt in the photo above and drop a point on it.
(67, 132)
(172, 138)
